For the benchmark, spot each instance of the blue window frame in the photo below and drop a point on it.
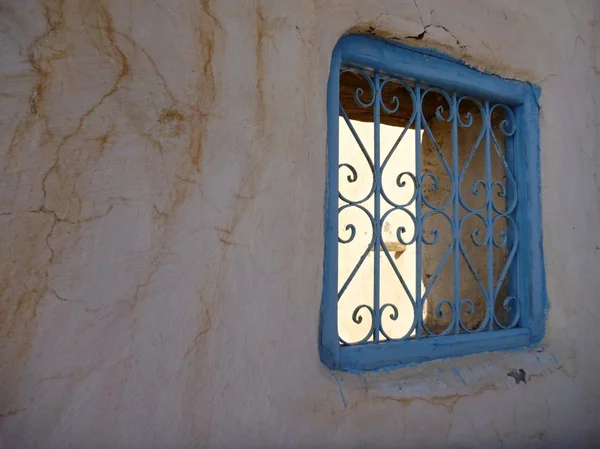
(414, 92)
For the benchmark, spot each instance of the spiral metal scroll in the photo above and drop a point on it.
(489, 214)
(364, 100)
(439, 114)
(405, 180)
(507, 128)
(433, 240)
(479, 184)
(480, 235)
(510, 303)
(443, 306)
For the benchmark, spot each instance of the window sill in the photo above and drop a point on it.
(444, 382)
(401, 353)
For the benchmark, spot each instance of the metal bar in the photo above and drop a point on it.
(490, 231)
(456, 216)
(419, 218)
(511, 194)
(377, 212)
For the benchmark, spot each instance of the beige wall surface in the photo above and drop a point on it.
(161, 221)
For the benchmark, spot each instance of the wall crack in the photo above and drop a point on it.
(421, 35)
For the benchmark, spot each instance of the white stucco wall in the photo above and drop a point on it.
(161, 223)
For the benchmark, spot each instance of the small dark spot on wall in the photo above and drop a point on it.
(169, 115)
(519, 376)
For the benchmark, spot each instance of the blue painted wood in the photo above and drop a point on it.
(534, 275)
(438, 70)
(396, 354)
(329, 344)
(430, 67)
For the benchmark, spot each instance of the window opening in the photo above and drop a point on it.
(430, 215)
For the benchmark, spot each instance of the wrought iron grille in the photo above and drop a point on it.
(490, 225)
(430, 217)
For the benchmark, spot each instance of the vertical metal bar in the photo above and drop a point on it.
(511, 194)
(377, 214)
(488, 223)
(419, 222)
(456, 217)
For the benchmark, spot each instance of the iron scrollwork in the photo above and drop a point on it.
(458, 112)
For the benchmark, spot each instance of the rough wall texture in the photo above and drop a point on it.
(161, 218)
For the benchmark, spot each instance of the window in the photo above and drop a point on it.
(433, 244)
